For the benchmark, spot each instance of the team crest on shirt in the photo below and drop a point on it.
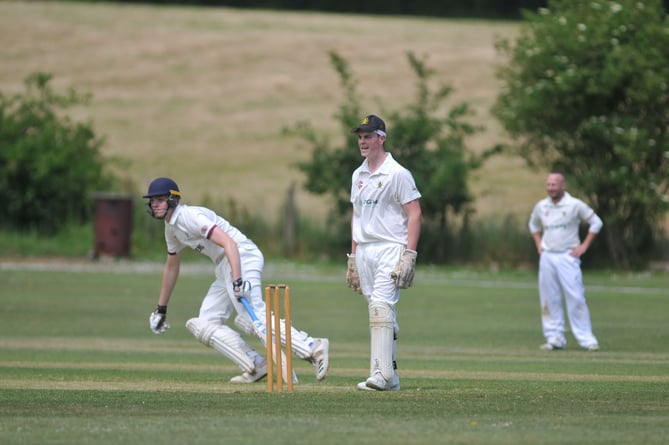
(379, 185)
(360, 183)
(203, 230)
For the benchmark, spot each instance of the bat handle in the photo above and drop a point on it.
(248, 308)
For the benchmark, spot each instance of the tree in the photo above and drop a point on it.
(586, 92)
(48, 163)
(431, 146)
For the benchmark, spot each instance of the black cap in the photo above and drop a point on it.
(370, 123)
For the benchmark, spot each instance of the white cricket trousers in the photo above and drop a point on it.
(220, 302)
(375, 262)
(560, 275)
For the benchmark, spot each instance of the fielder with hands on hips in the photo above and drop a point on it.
(385, 228)
(554, 225)
(238, 270)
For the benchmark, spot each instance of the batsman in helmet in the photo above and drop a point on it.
(238, 266)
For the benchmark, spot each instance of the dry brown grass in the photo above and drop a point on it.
(202, 94)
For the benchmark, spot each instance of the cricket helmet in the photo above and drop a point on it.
(163, 187)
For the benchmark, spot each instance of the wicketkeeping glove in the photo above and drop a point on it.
(157, 319)
(241, 289)
(405, 269)
(352, 277)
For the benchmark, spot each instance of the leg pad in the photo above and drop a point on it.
(224, 340)
(381, 322)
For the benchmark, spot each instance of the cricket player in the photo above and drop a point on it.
(238, 270)
(385, 228)
(554, 225)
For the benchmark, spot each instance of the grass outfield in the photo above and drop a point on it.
(78, 364)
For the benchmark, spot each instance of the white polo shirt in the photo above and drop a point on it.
(191, 226)
(559, 222)
(377, 200)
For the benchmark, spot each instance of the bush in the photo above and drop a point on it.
(585, 92)
(49, 164)
(426, 137)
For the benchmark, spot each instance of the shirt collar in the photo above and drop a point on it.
(175, 215)
(382, 168)
(562, 201)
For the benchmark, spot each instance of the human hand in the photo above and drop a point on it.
(577, 251)
(241, 288)
(352, 277)
(157, 320)
(406, 268)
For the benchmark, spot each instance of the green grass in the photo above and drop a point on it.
(78, 364)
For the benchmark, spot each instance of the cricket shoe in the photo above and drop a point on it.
(362, 386)
(378, 383)
(247, 377)
(550, 347)
(321, 357)
(592, 348)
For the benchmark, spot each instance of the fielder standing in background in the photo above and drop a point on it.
(385, 229)
(554, 225)
(238, 269)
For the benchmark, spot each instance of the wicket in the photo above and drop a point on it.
(273, 295)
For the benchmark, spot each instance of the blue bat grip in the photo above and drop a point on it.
(249, 309)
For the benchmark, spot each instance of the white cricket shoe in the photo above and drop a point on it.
(378, 383)
(246, 377)
(362, 386)
(321, 357)
(550, 347)
(593, 348)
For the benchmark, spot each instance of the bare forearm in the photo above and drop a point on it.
(414, 216)
(170, 276)
(580, 250)
(588, 240)
(414, 233)
(229, 245)
(354, 245)
(537, 241)
(232, 253)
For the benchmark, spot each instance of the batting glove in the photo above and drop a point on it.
(157, 320)
(405, 269)
(352, 277)
(241, 288)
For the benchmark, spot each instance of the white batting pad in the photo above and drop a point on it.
(201, 329)
(300, 340)
(224, 340)
(245, 324)
(381, 320)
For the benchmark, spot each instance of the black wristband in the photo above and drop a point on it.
(237, 283)
(161, 309)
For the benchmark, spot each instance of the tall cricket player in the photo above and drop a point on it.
(385, 228)
(554, 225)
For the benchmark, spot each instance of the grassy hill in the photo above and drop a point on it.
(202, 94)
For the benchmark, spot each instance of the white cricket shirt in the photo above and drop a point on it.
(191, 226)
(377, 200)
(559, 222)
